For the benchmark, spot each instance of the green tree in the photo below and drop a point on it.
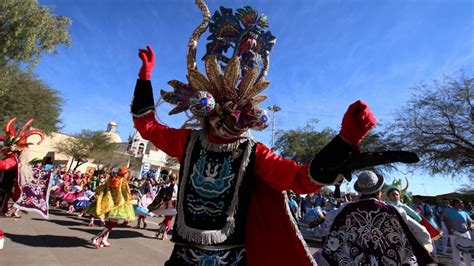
(109, 158)
(303, 143)
(28, 29)
(24, 96)
(437, 123)
(82, 146)
(115, 158)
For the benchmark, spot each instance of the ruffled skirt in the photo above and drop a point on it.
(123, 212)
(142, 211)
(81, 202)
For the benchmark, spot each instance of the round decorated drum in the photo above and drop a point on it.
(464, 244)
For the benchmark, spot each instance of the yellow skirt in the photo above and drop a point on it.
(124, 212)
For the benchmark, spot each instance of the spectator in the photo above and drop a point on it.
(293, 205)
(417, 204)
(318, 198)
(305, 204)
(427, 212)
(445, 236)
(468, 209)
(458, 223)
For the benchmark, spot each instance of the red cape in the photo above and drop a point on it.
(273, 237)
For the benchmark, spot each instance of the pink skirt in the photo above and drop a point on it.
(70, 197)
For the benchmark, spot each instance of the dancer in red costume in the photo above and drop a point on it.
(13, 144)
(231, 199)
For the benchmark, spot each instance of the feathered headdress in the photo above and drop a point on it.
(236, 63)
(14, 141)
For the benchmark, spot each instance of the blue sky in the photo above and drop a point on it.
(328, 54)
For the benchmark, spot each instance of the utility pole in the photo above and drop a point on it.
(274, 108)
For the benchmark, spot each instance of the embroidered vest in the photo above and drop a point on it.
(214, 191)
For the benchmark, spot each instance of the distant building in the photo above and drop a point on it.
(137, 145)
(48, 149)
(112, 132)
(155, 163)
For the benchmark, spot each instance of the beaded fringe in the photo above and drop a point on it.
(294, 225)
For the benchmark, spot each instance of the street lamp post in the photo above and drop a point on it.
(274, 108)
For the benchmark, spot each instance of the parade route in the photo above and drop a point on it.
(63, 239)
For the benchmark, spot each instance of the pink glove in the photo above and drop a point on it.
(357, 122)
(148, 62)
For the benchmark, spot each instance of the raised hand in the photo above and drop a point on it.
(148, 62)
(357, 122)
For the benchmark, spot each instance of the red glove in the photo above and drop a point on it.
(357, 122)
(148, 62)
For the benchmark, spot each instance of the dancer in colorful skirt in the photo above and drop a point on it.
(90, 211)
(83, 201)
(114, 203)
(34, 190)
(169, 208)
(14, 164)
(57, 190)
(141, 209)
(70, 197)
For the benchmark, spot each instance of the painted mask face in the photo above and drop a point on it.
(11, 148)
(219, 129)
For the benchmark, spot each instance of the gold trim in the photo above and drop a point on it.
(232, 73)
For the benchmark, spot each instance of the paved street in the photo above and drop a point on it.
(64, 238)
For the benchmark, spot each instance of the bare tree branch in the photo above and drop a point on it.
(437, 123)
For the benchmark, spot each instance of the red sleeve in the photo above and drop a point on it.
(7, 163)
(282, 174)
(172, 141)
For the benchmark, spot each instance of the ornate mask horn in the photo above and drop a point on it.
(233, 80)
(406, 186)
(16, 141)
